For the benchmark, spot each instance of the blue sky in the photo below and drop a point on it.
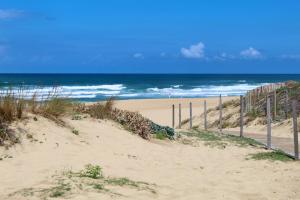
(150, 36)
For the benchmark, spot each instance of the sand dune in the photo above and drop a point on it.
(176, 170)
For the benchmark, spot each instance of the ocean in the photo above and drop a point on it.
(94, 87)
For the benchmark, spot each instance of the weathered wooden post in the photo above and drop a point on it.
(275, 104)
(241, 116)
(173, 115)
(244, 104)
(220, 114)
(286, 107)
(205, 115)
(191, 116)
(179, 115)
(250, 101)
(269, 121)
(295, 128)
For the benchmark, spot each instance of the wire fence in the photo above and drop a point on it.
(271, 102)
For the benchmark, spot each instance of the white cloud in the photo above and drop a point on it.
(291, 56)
(138, 55)
(251, 53)
(194, 51)
(10, 14)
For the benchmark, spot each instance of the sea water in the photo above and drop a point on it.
(94, 87)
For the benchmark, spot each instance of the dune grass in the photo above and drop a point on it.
(91, 178)
(101, 110)
(272, 156)
(14, 103)
(220, 140)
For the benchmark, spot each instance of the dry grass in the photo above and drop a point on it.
(54, 108)
(13, 105)
(102, 110)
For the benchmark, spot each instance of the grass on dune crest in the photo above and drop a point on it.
(13, 105)
(54, 107)
(102, 110)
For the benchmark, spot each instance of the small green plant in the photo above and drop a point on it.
(92, 171)
(161, 135)
(75, 132)
(272, 156)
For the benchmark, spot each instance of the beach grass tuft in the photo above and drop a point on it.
(272, 156)
(102, 110)
(92, 171)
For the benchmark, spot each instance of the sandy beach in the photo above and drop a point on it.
(174, 170)
(160, 110)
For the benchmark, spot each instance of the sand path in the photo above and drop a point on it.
(179, 171)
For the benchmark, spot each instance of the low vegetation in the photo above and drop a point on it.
(272, 156)
(13, 105)
(91, 178)
(161, 135)
(131, 121)
(54, 107)
(220, 140)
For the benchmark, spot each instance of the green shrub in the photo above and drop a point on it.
(161, 135)
(92, 171)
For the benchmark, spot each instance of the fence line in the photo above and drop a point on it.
(258, 137)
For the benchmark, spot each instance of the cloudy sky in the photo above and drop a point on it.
(150, 36)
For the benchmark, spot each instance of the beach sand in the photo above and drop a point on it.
(160, 110)
(176, 170)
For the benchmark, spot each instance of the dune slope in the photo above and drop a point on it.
(175, 170)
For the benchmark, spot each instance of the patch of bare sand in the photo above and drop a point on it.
(179, 171)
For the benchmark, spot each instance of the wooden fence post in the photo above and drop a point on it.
(295, 128)
(173, 115)
(179, 115)
(286, 104)
(220, 116)
(275, 104)
(269, 121)
(244, 104)
(205, 115)
(241, 116)
(191, 116)
(250, 101)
